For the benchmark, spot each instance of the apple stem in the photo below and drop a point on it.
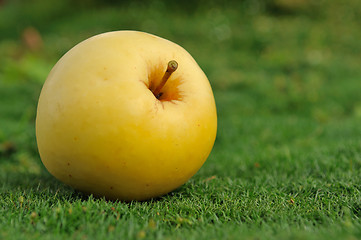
(172, 66)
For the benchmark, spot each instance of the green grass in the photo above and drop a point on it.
(287, 160)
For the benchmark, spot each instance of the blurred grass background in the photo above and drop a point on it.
(286, 76)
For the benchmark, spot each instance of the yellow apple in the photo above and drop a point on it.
(118, 118)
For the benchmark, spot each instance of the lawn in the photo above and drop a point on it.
(286, 163)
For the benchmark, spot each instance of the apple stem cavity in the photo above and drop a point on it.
(172, 66)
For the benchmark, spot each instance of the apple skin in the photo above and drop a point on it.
(101, 130)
